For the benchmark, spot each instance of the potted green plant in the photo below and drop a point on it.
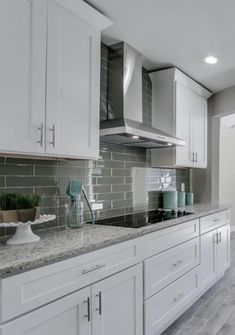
(8, 207)
(27, 207)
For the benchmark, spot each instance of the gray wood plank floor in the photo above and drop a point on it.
(214, 312)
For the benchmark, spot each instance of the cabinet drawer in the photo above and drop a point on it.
(29, 290)
(214, 221)
(164, 239)
(164, 307)
(164, 268)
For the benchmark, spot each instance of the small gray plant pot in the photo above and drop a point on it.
(25, 215)
(10, 216)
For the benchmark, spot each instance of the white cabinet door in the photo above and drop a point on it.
(180, 108)
(73, 79)
(199, 119)
(223, 249)
(208, 259)
(68, 316)
(184, 127)
(22, 79)
(117, 304)
(215, 255)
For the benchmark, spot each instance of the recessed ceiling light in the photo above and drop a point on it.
(135, 137)
(211, 60)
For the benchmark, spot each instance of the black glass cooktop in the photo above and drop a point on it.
(142, 219)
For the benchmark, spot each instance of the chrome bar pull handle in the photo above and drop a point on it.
(220, 237)
(177, 263)
(196, 156)
(40, 141)
(99, 309)
(192, 159)
(96, 267)
(52, 129)
(178, 297)
(215, 238)
(88, 315)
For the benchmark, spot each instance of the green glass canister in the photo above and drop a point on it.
(181, 199)
(170, 199)
(189, 198)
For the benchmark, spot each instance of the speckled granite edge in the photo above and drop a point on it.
(60, 244)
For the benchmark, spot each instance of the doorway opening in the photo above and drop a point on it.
(227, 162)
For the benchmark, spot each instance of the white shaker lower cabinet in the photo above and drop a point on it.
(215, 255)
(208, 266)
(112, 306)
(137, 287)
(66, 316)
(164, 268)
(223, 249)
(117, 304)
(164, 307)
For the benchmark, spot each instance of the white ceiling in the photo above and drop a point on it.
(177, 33)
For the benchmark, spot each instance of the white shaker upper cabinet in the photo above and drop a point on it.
(22, 75)
(50, 78)
(184, 126)
(180, 109)
(191, 126)
(73, 81)
(199, 133)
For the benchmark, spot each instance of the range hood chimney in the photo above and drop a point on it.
(124, 124)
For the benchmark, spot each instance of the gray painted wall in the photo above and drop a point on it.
(223, 102)
(226, 167)
(205, 183)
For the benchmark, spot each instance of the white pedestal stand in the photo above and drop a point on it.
(24, 232)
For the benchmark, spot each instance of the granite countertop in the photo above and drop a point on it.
(59, 244)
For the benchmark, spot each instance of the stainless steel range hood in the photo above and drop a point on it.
(124, 124)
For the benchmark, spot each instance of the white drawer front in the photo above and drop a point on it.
(164, 239)
(29, 290)
(214, 221)
(164, 268)
(162, 307)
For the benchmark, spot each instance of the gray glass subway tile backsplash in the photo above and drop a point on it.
(117, 186)
(118, 182)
